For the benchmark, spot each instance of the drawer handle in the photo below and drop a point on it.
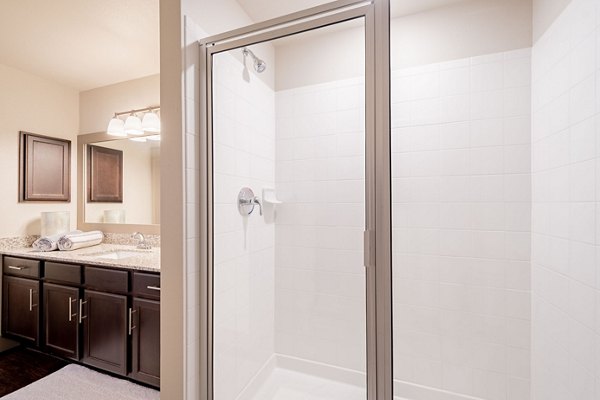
(31, 305)
(131, 326)
(81, 316)
(16, 268)
(153, 288)
(71, 315)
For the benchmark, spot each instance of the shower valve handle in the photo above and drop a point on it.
(247, 201)
(257, 202)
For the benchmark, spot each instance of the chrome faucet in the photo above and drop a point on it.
(141, 241)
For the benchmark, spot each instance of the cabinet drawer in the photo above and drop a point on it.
(63, 272)
(21, 267)
(146, 285)
(106, 279)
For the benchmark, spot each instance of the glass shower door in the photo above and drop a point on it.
(289, 216)
(298, 263)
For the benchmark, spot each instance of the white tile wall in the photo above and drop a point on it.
(192, 203)
(244, 155)
(461, 221)
(319, 277)
(565, 278)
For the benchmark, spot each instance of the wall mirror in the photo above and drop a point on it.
(118, 183)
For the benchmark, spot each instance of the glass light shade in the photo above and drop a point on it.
(133, 125)
(116, 127)
(154, 138)
(151, 122)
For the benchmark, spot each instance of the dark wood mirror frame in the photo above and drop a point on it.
(44, 168)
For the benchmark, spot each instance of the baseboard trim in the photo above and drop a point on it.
(415, 391)
(402, 390)
(259, 379)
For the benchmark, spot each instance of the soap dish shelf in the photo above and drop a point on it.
(269, 197)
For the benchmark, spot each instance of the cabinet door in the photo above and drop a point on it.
(105, 331)
(20, 310)
(145, 332)
(61, 321)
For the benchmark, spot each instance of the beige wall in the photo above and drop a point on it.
(311, 58)
(97, 106)
(32, 104)
(544, 14)
(460, 30)
(172, 306)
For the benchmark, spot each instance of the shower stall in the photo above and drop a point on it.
(373, 178)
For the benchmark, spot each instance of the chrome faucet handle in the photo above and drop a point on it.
(141, 241)
(257, 202)
(246, 201)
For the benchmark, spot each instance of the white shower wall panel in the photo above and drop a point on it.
(319, 273)
(461, 202)
(244, 156)
(461, 226)
(566, 191)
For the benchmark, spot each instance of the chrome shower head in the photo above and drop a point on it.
(259, 65)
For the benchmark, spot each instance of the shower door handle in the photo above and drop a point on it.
(369, 242)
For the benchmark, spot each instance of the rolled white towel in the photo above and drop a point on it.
(80, 240)
(50, 243)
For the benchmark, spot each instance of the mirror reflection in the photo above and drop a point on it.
(122, 178)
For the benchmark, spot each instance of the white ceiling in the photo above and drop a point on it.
(81, 43)
(260, 10)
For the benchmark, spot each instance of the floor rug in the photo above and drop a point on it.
(75, 382)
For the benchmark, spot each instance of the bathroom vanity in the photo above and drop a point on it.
(98, 306)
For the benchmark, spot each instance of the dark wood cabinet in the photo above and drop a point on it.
(145, 341)
(61, 320)
(108, 318)
(105, 331)
(20, 309)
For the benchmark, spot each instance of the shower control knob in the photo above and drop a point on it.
(247, 201)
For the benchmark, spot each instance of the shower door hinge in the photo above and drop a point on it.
(369, 251)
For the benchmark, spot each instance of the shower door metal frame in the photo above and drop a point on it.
(378, 229)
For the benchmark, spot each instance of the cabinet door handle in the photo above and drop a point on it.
(71, 315)
(153, 288)
(81, 316)
(16, 268)
(31, 305)
(131, 326)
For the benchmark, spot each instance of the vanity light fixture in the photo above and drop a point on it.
(133, 125)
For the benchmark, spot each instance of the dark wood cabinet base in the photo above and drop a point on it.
(90, 315)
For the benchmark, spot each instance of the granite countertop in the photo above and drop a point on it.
(147, 260)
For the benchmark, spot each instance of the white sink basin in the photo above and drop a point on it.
(118, 255)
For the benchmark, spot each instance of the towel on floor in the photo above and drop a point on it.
(50, 243)
(80, 240)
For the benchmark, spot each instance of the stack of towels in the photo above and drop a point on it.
(68, 241)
